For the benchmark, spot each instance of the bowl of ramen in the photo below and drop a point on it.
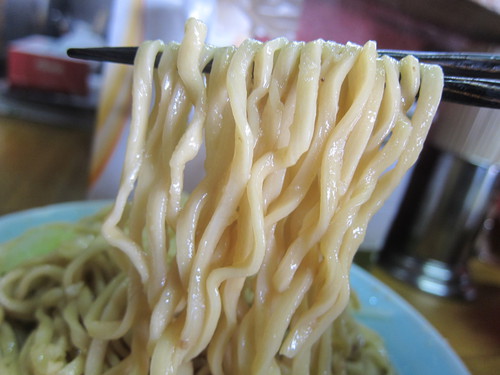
(392, 324)
(251, 272)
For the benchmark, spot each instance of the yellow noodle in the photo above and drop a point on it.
(249, 273)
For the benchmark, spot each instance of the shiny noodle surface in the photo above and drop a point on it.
(249, 273)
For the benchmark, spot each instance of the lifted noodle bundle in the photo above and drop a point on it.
(249, 274)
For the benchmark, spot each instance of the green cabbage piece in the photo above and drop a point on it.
(34, 243)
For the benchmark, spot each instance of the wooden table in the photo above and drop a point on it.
(42, 164)
(471, 328)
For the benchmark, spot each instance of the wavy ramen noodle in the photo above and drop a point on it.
(249, 274)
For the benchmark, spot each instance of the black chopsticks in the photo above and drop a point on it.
(121, 55)
(470, 78)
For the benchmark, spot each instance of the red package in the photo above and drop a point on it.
(30, 65)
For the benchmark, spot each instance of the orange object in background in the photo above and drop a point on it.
(32, 65)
